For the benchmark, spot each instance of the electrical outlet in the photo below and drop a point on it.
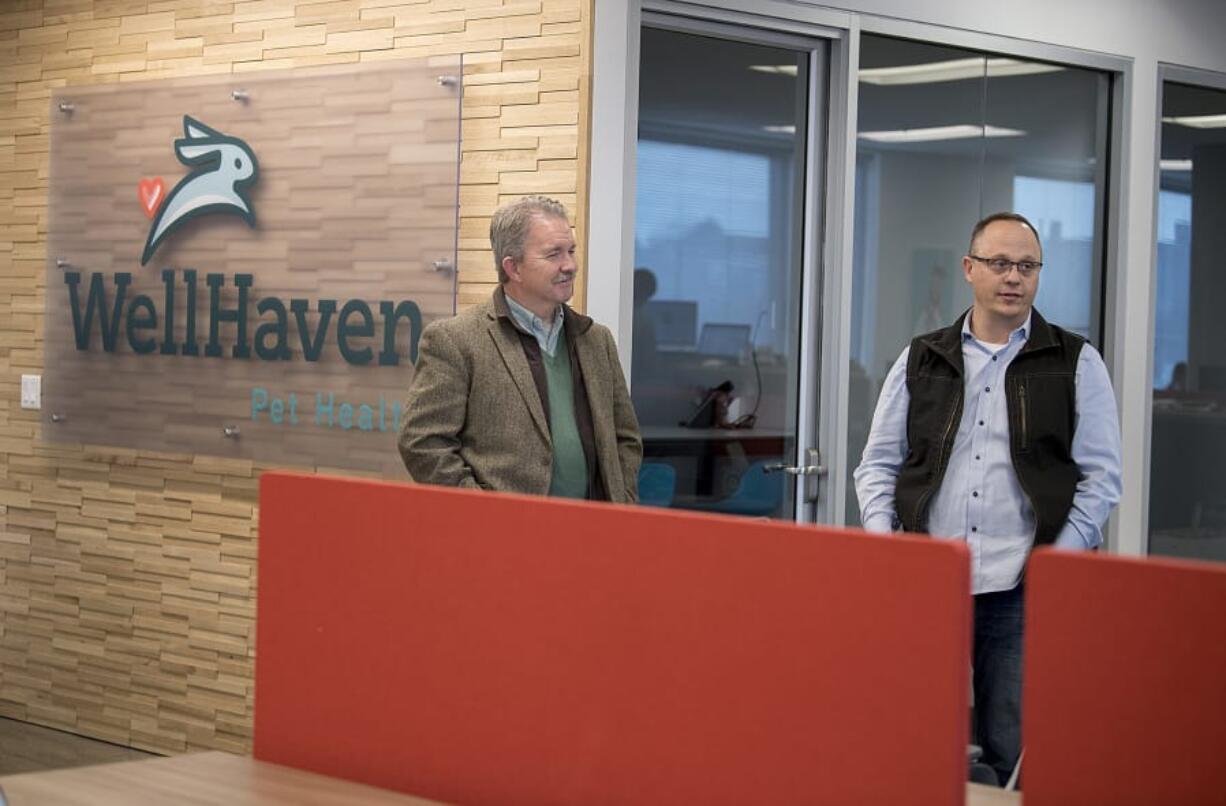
(31, 391)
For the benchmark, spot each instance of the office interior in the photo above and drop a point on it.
(770, 198)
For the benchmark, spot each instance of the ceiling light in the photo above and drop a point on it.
(958, 132)
(1199, 121)
(953, 70)
(787, 129)
(1175, 165)
(774, 69)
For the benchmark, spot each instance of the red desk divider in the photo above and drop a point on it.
(1125, 681)
(484, 648)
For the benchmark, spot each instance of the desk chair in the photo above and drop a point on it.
(757, 494)
(657, 484)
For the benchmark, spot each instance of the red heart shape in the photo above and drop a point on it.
(152, 193)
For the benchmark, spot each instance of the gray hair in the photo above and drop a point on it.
(510, 224)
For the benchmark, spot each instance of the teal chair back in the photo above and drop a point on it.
(657, 484)
(758, 493)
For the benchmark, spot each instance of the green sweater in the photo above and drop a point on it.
(569, 479)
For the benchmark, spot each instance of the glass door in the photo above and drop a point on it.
(1187, 472)
(725, 162)
(946, 136)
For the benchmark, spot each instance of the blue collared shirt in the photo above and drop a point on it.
(545, 333)
(980, 500)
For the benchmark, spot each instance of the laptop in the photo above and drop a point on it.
(724, 339)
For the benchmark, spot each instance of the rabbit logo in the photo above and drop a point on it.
(223, 167)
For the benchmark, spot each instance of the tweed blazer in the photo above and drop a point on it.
(474, 417)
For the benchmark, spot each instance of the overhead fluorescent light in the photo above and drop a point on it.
(1199, 121)
(787, 129)
(959, 132)
(774, 69)
(953, 70)
(1175, 165)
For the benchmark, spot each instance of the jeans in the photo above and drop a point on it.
(996, 657)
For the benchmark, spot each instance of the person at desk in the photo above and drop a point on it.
(999, 430)
(645, 350)
(521, 393)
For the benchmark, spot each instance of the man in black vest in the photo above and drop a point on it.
(1001, 431)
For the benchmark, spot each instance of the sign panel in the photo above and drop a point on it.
(242, 265)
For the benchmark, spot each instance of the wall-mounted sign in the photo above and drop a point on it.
(242, 266)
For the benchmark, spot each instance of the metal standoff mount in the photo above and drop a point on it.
(442, 264)
(448, 81)
(242, 96)
(230, 432)
(61, 263)
(66, 107)
(57, 417)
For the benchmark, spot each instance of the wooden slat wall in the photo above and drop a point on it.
(127, 578)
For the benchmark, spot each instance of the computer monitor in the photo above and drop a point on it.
(675, 322)
(724, 339)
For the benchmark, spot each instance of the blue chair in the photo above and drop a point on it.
(757, 494)
(657, 484)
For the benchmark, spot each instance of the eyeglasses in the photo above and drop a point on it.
(1002, 267)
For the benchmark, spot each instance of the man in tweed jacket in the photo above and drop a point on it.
(521, 393)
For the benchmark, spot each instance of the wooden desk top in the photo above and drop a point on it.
(197, 778)
(222, 778)
(980, 795)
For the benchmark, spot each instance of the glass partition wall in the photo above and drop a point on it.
(1187, 479)
(946, 136)
(719, 220)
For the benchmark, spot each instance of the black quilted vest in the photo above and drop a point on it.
(1041, 390)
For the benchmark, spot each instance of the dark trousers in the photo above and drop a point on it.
(997, 660)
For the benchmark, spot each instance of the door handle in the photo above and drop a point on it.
(798, 470)
(812, 471)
